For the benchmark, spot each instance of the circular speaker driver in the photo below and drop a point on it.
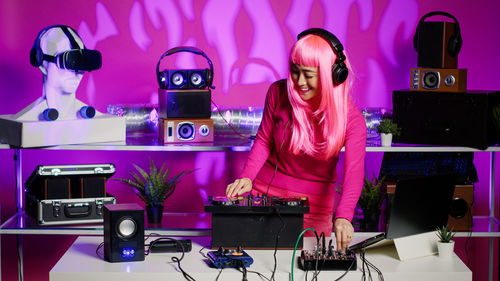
(430, 80)
(458, 208)
(185, 131)
(196, 79)
(126, 227)
(177, 79)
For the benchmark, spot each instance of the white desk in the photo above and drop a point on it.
(80, 263)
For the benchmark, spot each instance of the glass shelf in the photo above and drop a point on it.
(235, 144)
(190, 224)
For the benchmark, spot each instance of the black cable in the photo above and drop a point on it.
(259, 274)
(174, 259)
(220, 271)
(471, 225)
(371, 265)
(97, 250)
(278, 156)
(347, 271)
(234, 130)
(283, 224)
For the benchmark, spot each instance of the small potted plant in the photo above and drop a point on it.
(386, 128)
(370, 200)
(445, 244)
(153, 187)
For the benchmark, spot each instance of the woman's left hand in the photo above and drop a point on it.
(343, 233)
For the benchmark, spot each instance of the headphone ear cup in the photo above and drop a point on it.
(454, 46)
(162, 81)
(36, 57)
(339, 73)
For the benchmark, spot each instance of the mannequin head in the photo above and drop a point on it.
(58, 80)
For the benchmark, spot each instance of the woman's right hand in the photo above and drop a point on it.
(239, 187)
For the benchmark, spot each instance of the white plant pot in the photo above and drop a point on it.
(386, 139)
(445, 250)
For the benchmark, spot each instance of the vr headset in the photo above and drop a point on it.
(75, 59)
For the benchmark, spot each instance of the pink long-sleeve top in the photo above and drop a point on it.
(304, 173)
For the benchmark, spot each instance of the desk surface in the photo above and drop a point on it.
(81, 263)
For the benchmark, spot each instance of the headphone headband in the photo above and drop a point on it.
(339, 69)
(457, 37)
(189, 49)
(36, 53)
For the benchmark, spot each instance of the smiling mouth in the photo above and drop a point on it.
(304, 90)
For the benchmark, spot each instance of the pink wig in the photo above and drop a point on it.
(331, 115)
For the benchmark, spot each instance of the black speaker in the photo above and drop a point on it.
(123, 233)
(469, 118)
(437, 43)
(185, 103)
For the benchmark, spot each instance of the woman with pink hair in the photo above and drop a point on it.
(307, 120)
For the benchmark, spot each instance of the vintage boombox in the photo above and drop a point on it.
(470, 118)
(438, 80)
(188, 104)
(186, 130)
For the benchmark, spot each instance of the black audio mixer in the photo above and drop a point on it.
(254, 222)
(327, 260)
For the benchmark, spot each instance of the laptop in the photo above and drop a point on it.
(419, 205)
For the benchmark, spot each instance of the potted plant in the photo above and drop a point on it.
(370, 200)
(153, 187)
(445, 244)
(386, 128)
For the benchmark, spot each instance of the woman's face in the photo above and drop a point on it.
(306, 80)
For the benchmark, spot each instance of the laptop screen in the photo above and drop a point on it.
(420, 205)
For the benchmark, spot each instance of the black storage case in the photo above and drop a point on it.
(469, 118)
(66, 211)
(69, 181)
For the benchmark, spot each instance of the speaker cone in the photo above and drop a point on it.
(186, 131)
(458, 208)
(178, 79)
(430, 80)
(196, 79)
(126, 228)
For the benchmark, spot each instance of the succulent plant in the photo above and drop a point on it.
(445, 234)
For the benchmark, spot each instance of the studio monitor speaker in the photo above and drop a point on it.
(469, 118)
(186, 130)
(185, 103)
(123, 233)
(433, 50)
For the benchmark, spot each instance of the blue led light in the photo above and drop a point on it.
(128, 252)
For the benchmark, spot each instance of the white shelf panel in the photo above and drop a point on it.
(190, 224)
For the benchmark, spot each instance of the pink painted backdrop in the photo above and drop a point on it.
(248, 42)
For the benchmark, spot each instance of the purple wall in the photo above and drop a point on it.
(248, 42)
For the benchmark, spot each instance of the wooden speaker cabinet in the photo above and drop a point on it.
(460, 217)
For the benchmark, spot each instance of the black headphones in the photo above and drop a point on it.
(455, 42)
(36, 53)
(163, 75)
(339, 69)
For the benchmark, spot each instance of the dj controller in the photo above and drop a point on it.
(260, 204)
(272, 221)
